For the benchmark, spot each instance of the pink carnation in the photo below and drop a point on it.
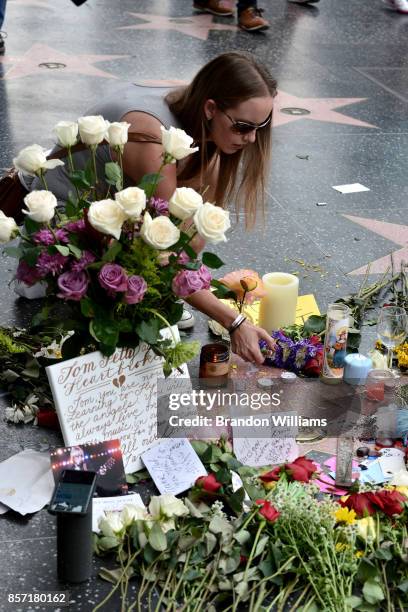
(187, 282)
(27, 274)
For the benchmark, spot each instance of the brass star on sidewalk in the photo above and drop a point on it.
(198, 26)
(29, 63)
(392, 231)
(319, 109)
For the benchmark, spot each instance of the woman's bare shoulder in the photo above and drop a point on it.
(141, 121)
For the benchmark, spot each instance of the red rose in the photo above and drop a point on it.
(48, 418)
(390, 502)
(315, 339)
(272, 476)
(306, 464)
(267, 510)
(297, 472)
(360, 503)
(208, 483)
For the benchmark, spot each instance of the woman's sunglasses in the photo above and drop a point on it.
(242, 127)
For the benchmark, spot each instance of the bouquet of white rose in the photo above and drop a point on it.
(114, 268)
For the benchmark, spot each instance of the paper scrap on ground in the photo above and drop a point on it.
(391, 465)
(351, 188)
(278, 445)
(237, 483)
(100, 505)
(373, 474)
(174, 465)
(26, 482)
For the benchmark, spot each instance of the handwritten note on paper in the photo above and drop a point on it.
(174, 465)
(102, 398)
(277, 445)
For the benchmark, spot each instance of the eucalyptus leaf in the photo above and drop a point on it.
(372, 592)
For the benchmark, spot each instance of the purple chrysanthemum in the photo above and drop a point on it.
(159, 206)
(86, 259)
(50, 264)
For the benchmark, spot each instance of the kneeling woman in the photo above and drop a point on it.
(227, 109)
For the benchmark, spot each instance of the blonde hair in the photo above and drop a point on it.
(229, 79)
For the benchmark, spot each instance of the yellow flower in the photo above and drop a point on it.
(340, 546)
(402, 354)
(366, 528)
(344, 515)
(269, 485)
(403, 490)
(359, 554)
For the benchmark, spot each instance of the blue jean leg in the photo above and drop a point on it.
(2, 11)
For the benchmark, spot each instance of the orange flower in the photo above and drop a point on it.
(241, 280)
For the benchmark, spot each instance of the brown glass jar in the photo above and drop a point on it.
(214, 364)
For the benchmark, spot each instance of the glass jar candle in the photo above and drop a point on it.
(214, 364)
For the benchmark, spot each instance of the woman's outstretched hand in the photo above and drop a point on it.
(245, 342)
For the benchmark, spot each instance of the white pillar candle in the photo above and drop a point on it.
(278, 308)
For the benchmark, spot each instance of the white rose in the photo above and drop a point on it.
(184, 202)
(212, 222)
(67, 133)
(33, 159)
(132, 200)
(111, 525)
(92, 129)
(160, 232)
(40, 206)
(8, 228)
(117, 135)
(131, 513)
(107, 217)
(167, 506)
(177, 143)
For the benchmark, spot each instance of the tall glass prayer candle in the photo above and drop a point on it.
(335, 343)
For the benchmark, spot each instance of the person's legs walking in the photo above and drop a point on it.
(223, 8)
(2, 13)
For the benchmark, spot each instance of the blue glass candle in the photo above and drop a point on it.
(356, 368)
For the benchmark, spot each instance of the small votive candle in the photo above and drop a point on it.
(378, 383)
(356, 368)
(214, 364)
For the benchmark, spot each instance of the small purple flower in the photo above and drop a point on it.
(137, 287)
(44, 236)
(73, 285)
(86, 259)
(187, 282)
(75, 226)
(113, 278)
(27, 274)
(183, 258)
(50, 264)
(158, 206)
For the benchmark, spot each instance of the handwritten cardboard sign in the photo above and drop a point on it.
(174, 465)
(102, 398)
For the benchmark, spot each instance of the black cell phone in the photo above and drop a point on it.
(73, 492)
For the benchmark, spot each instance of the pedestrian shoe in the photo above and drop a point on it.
(401, 6)
(251, 20)
(2, 44)
(222, 8)
(187, 320)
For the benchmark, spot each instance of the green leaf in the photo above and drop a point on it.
(191, 574)
(212, 261)
(315, 324)
(192, 265)
(384, 554)
(403, 586)
(190, 251)
(266, 567)
(13, 251)
(64, 250)
(75, 251)
(367, 570)
(157, 539)
(372, 592)
(106, 331)
(108, 542)
(112, 576)
(87, 307)
(32, 368)
(242, 536)
(260, 547)
(222, 291)
(223, 476)
(30, 255)
(149, 183)
(199, 447)
(210, 542)
(148, 331)
(235, 500)
(31, 226)
(80, 180)
(113, 251)
(353, 601)
(218, 524)
(113, 175)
